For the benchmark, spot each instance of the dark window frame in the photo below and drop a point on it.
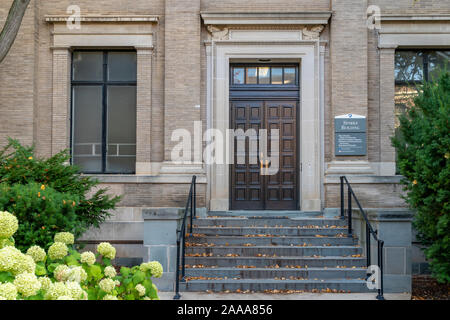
(104, 83)
(281, 86)
(425, 57)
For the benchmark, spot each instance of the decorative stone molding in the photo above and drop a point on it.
(257, 33)
(103, 18)
(218, 33)
(414, 31)
(309, 25)
(267, 18)
(312, 33)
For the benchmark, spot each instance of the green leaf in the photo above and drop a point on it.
(106, 261)
(71, 261)
(6, 277)
(51, 268)
(95, 271)
(125, 272)
(138, 277)
(40, 269)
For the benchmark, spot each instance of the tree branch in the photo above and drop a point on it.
(12, 25)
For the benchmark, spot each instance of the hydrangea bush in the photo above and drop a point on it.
(62, 273)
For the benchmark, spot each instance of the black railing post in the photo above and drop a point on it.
(195, 196)
(183, 256)
(368, 245)
(380, 266)
(342, 198)
(177, 276)
(349, 211)
(192, 212)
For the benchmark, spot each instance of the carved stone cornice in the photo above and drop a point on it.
(309, 32)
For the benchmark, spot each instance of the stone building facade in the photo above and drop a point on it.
(180, 53)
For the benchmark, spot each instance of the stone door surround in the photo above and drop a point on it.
(236, 37)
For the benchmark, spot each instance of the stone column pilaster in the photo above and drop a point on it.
(61, 100)
(144, 110)
(387, 112)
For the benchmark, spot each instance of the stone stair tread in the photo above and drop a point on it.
(244, 281)
(277, 247)
(277, 269)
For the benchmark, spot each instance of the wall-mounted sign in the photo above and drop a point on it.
(350, 134)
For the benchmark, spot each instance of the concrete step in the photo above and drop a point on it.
(261, 285)
(266, 273)
(266, 214)
(265, 222)
(263, 262)
(288, 231)
(280, 251)
(275, 241)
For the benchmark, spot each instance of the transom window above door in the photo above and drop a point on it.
(104, 111)
(264, 75)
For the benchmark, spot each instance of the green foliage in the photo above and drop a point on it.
(42, 212)
(423, 151)
(20, 175)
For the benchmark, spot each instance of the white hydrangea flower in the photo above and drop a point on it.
(57, 251)
(88, 257)
(56, 290)
(107, 285)
(106, 250)
(155, 268)
(8, 291)
(110, 272)
(27, 284)
(140, 289)
(14, 261)
(61, 272)
(76, 292)
(45, 283)
(64, 237)
(37, 253)
(8, 224)
(65, 298)
(110, 297)
(76, 274)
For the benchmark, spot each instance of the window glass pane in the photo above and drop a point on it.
(238, 75)
(88, 66)
(437, 60)
(408, 66)
(87, 129)
(121, 132)
(289, 75)
(277, 75)
(251, 76)
(122, 66)
(264, 75)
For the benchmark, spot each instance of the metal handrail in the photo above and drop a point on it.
(369, 230)
(191, 206)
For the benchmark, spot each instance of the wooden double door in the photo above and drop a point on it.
(251, 188)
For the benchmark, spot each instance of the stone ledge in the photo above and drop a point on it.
(363, 179)
(162, 214)
(103, 18)
(166, 179)
(394, 214)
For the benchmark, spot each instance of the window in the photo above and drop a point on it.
(411, 68)
(264, 75)
(104, 111)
